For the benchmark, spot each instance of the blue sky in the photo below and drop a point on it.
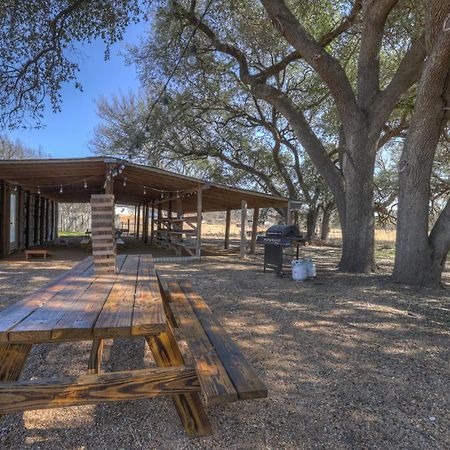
(67, 133)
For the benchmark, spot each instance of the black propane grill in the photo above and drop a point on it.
(277, 238)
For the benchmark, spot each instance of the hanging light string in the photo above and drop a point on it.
(82, 181)
(177, 64)
(125, 181)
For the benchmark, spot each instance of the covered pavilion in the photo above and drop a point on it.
(168, 205)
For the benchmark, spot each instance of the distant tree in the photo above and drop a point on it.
(16, 150)
(37, 39)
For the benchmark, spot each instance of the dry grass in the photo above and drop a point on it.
(351, 362)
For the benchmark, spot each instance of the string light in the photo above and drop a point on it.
(145, 191)
(61, 190)
(38, 190)
(85, 183)
(124, 181)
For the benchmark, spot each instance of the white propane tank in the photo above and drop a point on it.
(299, 270)
(311, 268)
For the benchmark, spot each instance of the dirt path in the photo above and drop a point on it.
(350, 361)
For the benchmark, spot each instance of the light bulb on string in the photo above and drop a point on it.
(39, 190)
(61, 189)
(145, 191)
(124, 181)
(85, 184)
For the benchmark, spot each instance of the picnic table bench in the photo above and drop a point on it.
(36, 252)
(132, 303)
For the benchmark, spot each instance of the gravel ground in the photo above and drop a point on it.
(350, 361)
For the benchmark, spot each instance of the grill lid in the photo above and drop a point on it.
(283, 231)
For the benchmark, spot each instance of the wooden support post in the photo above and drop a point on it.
(146, 224)
(227, 230)
(56, 220)
(189, 406)
(36, 220)
(95, 359)
(109, 183)
(104, 248)
(138, 226)
(42, 221)
(27, 219)
(198, 245)
(152, 223)
(47, 219)
(254, 230)
(243, 228)
(135, 223)
(289, 214)
(20, 219)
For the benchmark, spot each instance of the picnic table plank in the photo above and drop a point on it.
(38, 325)
(116, 315)
(16, 313)
(80, 317)
(242, 374)
(216, 384)
(148, 311)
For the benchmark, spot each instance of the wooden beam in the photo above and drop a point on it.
(91, 389)
(227, 229)
(198, 244)
(243, 228)
(254, 230)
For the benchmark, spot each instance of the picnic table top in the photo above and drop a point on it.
(79, 305)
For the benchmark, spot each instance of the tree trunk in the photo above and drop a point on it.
(325, 225)
(419, 257)
(311, 222)
(358, 229)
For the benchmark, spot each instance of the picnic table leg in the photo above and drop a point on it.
(12, 360)
(189, 406)
(95, 359)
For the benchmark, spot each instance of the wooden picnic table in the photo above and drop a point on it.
(81, 306)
